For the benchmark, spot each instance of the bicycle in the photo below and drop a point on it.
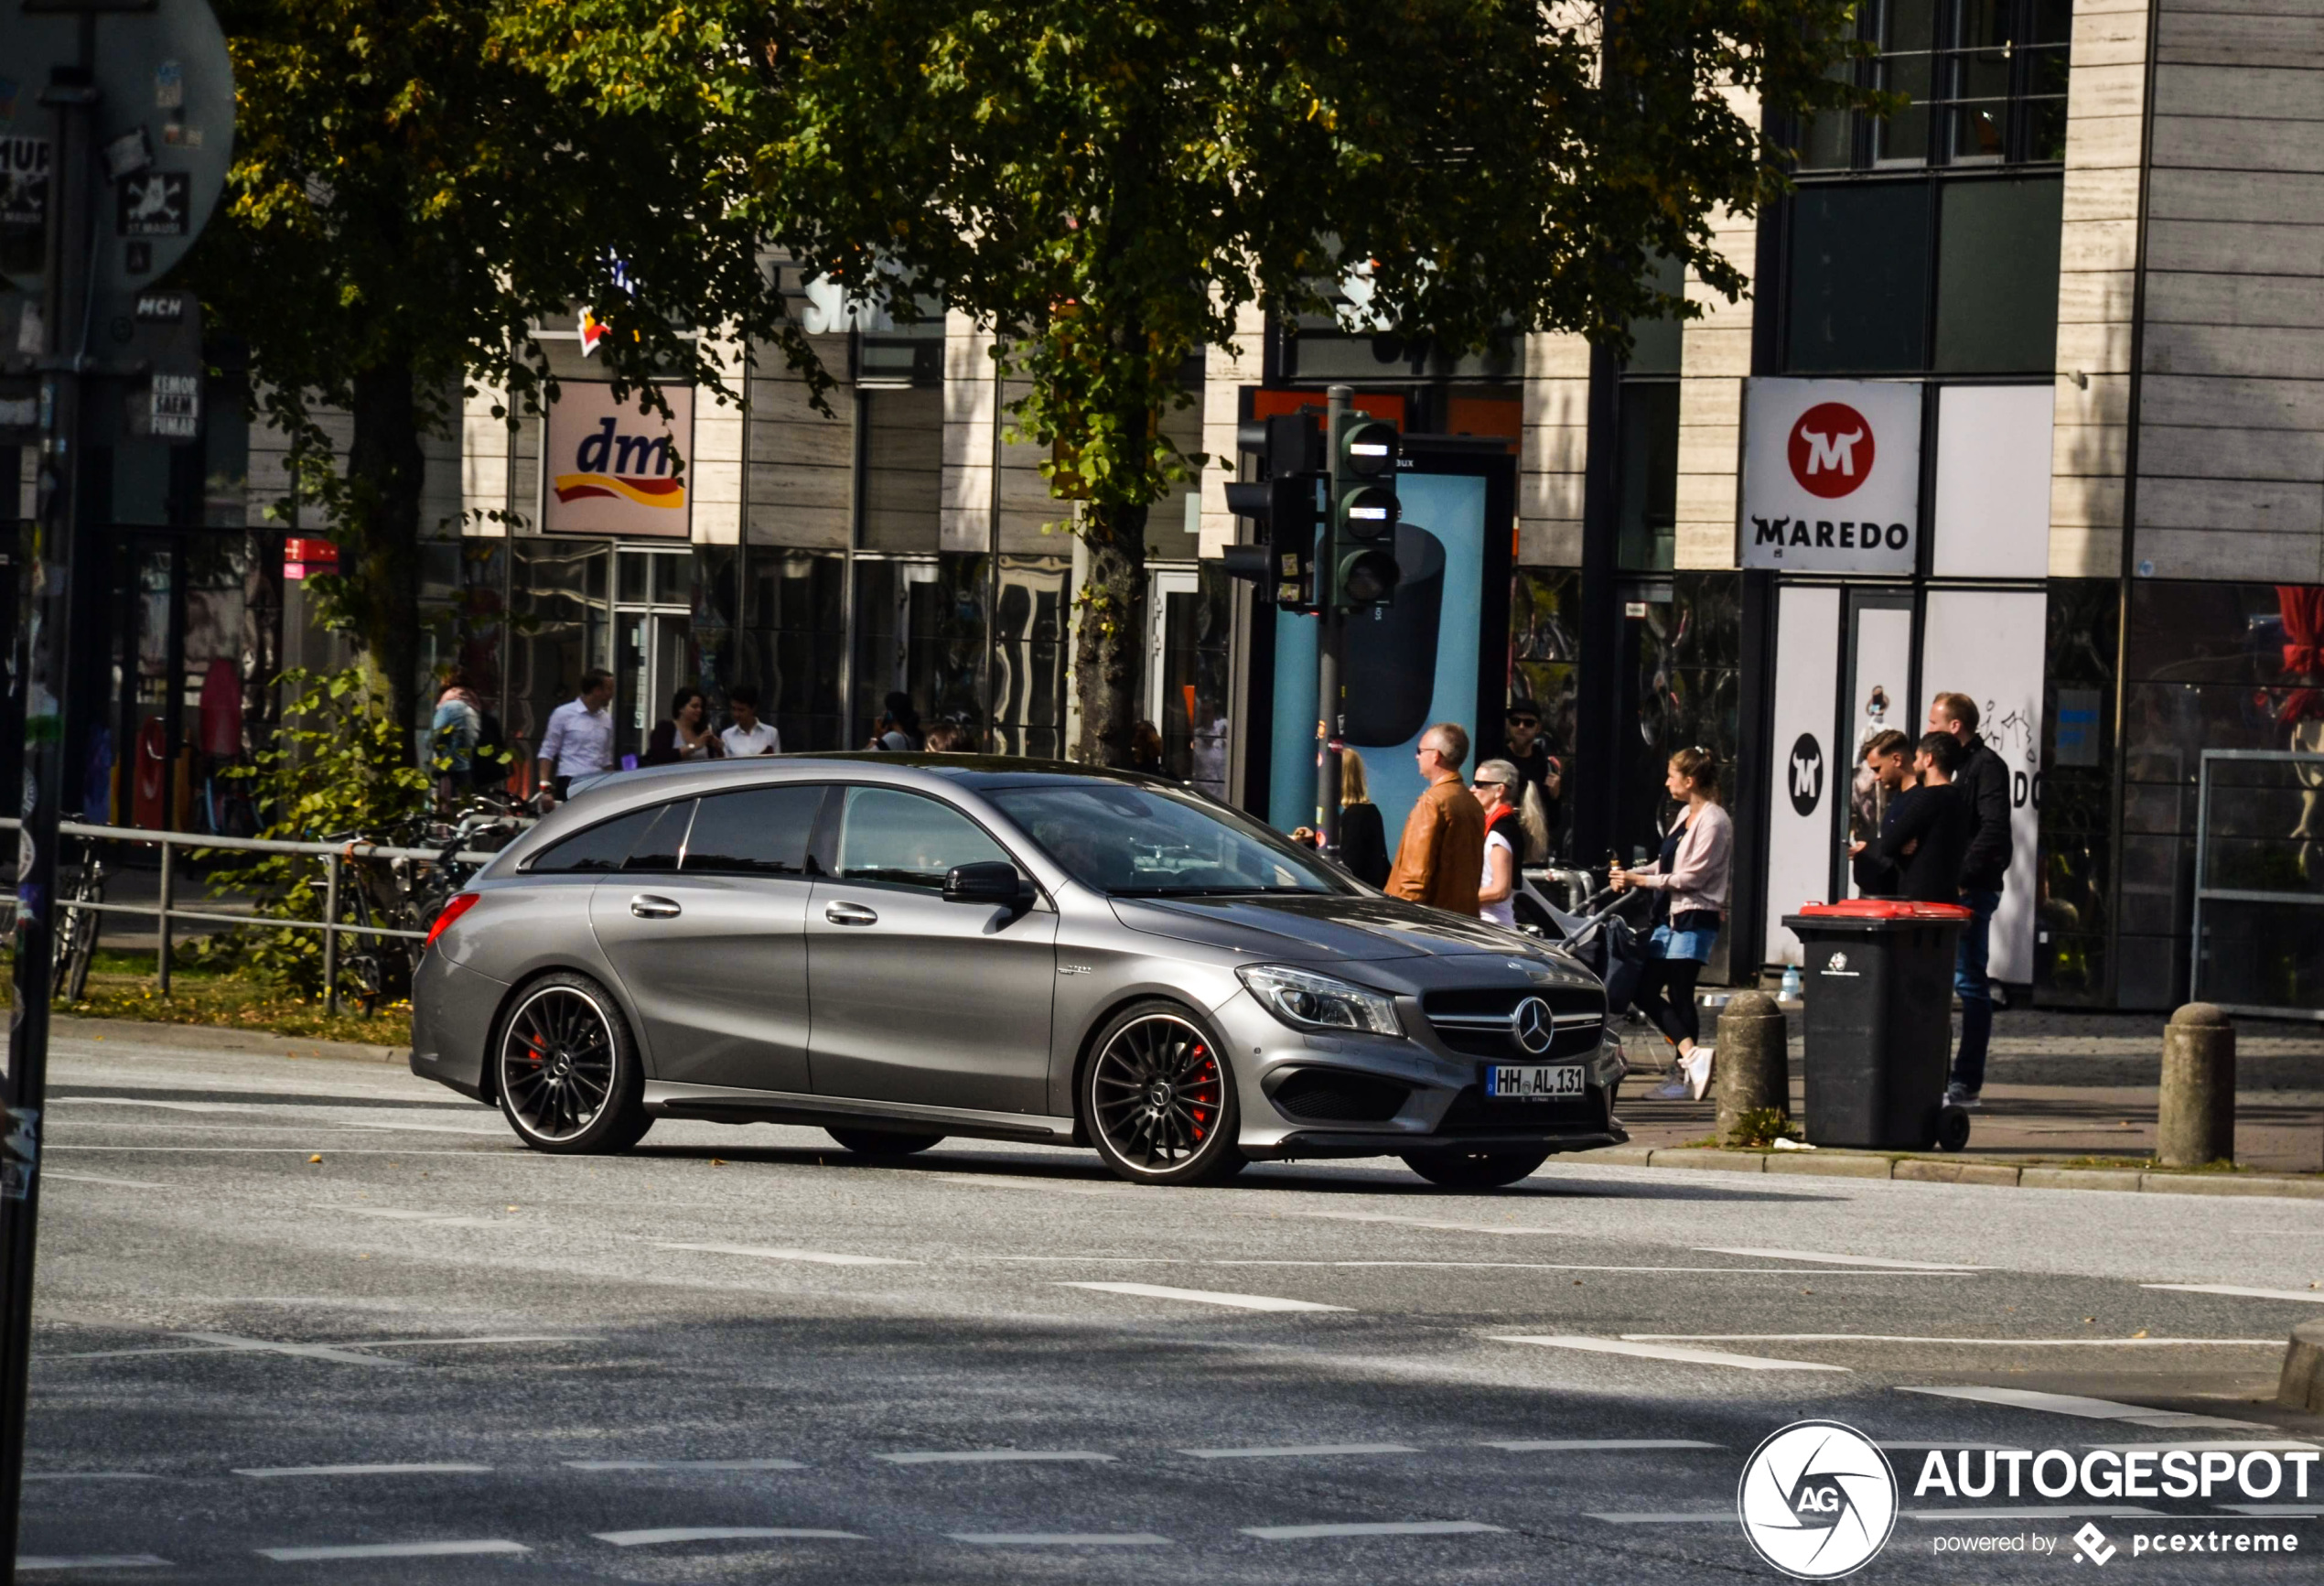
(76, 928)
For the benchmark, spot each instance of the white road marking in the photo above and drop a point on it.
(231, 1344)
(1048, 1186)
(767, 1253)
(2305, 1296)
(2278, 1511)
(1663, 1352)
(390, 1550)
(683, 1465)
(1431, 1222)
(1556, 1445)
(1060, 1538)
(1666, 1518)
(266, 1471)
(101, 1179)
(1207, 1297)
(1382, 1528)
(433, 1219)
(91, 1561)
(1840, 1261)
(1905, 1338)
(2076, 1405)
(1293, 1452)
(224, 1344)
(1597, 1266)
(2048, 1511)
(723, 1533)
(418, 1128)
(90, 1476)
(991, 1456)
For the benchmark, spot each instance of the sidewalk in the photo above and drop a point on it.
(2063, 1086)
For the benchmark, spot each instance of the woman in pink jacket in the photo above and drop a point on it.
(1689, 881)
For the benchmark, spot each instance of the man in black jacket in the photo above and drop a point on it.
(1984, 779)
(1917, 856)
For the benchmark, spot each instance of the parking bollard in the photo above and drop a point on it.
(1754, 1065)
(2197, 1121)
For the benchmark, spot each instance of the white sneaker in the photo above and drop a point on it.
(1698, 1072)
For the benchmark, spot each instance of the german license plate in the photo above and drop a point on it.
(1529, 1083)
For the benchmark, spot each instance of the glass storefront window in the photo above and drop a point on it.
(1544, 629)
(1858, 297)
(1997, 253)
(1197, 681)
(2074, 905)
(1028, 674)
(903, 469)
(795, 634)
(566, 621)
(1646, 474)
(920, 631)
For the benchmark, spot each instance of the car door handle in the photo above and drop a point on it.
(850, 914)
(646, 906)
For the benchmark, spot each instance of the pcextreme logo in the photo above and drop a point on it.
(1817, 1500)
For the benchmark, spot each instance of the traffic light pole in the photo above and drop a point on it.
(1332, 642)
(41, 673)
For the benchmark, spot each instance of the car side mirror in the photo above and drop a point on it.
(993, 881)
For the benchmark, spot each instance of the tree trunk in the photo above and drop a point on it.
(378, 537)
(1108, 640)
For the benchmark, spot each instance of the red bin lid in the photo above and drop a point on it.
(1886, 909)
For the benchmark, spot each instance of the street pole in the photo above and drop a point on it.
(42, 671)
(1333, 640)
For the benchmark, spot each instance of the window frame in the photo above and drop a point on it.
(1949, 59)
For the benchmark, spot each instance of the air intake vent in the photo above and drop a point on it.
(1320, 1096)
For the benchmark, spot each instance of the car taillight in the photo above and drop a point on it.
(460, 904)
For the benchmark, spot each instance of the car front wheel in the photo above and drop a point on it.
(1159, 1099)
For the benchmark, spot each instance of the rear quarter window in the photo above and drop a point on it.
(599, 849)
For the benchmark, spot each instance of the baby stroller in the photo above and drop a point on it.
(1602, 934)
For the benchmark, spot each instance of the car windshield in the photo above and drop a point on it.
(1137, 842)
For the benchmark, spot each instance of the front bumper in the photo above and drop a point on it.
(1436, 1095)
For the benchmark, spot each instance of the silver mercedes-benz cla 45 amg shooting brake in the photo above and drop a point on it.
(897, 948)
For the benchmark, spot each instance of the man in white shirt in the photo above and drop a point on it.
(748, 735)
(579, 740)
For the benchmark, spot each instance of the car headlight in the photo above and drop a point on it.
(1307, 1000)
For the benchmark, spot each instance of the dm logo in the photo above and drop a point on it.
(1830, 451)
(1817, 1500)
(634, 468)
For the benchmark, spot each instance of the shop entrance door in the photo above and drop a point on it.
(651, 661)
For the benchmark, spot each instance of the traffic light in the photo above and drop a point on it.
(1364, 513)
(1284, 509)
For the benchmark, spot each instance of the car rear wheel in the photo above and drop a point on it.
(1476, 1169)
(567, 1072)
(1158, 1098)
(882, 1142)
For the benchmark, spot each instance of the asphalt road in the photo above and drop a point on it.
(464, 1362)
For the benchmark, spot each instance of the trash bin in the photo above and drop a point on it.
(1879, 1021)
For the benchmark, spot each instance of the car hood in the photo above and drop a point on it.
(1314, 928)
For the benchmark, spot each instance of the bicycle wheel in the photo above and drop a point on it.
(84, 933)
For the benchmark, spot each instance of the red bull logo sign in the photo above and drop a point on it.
(615, 471)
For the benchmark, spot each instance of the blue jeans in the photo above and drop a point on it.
(1969, 984)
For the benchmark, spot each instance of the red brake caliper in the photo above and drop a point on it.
(1202, 1114)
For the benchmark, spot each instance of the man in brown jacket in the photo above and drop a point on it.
(1441, 859)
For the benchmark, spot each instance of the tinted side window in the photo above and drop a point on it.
(907, 840)
(759, 831)
(601, 847)
(665, 840)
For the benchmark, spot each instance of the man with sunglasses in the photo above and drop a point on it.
(1441, 857)
(1529, 752)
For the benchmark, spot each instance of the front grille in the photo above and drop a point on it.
(1320, 1096)
(1477, 1023)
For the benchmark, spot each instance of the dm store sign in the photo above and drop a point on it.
(615, 471)
(1831, 476)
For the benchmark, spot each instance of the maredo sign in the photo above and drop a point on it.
(1831, 476)
(612, 469)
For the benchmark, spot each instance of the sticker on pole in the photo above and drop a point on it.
(1817, 1500)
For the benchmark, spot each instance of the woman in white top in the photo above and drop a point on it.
(1497, 887)
(1689, 881)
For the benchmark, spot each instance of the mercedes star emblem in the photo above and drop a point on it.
(1531, 1025)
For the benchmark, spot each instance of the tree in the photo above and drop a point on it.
(1103, 184)
(411, 194)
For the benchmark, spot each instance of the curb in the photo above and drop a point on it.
(2303, 1384)
(215, 1038)
(1829, 1163)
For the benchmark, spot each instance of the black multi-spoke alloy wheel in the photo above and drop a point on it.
(1475, 1170)
(1158, 1098)
(567, 1071)
(882, 1142)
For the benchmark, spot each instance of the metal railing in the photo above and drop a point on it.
(335, 857)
